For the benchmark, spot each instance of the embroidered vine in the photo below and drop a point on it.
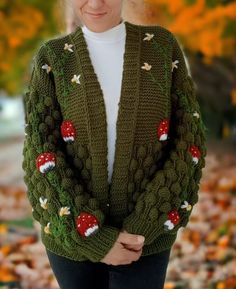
(58, 70)
(163, 126)
(159, 48)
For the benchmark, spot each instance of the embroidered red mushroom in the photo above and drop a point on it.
(86, 224)
(173, 219)
(45, 162)
(195, 153)
(68, 131)
(162, 130)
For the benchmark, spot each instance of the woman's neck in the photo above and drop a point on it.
(115, 33)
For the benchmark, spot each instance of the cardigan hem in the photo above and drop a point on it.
(162, 243)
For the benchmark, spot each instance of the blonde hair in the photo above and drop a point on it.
(70, 19)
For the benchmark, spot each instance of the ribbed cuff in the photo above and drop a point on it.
(137, 224)
(140, 225)
(97, 245)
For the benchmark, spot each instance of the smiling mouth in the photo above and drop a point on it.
(98, 14)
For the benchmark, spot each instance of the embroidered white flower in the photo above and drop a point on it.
(174, 64)
(186, 206)
(47, 67)
(146, 66)
(196, 114)
(148, 37)
(68, 47)
(43, 203)
(64, 211)
(76, 79)
(47, 229)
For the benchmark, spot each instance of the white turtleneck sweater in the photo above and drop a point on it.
(106, 51)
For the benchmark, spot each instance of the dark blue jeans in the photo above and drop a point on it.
(149, 272)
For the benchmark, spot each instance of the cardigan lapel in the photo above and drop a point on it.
(97, 120)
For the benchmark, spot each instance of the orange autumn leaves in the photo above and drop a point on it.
(16, 28)
(19, 27)
(23, 26)
(200, 27)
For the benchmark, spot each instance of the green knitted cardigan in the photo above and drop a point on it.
(160, 145)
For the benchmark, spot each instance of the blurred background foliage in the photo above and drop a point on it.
(24, 24)
(205, 28)
(204, 256)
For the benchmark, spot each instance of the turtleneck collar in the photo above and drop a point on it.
(113, 34)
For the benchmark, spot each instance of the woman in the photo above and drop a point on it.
(114, 149)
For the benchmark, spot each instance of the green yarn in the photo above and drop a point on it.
(49, 121)
(141, 153)
(56, 134)
(69, 172)
(176, 188)
(150, 177)
(93, 204)
(144, 183)
(88, 163)
(67, 183)
(78, 163)
(153, 169)
(130, 206)
(81, 151)
(41, 187)
(49, 147)
(70, 149)
(165, 207)
(48, 102)
(135, 196)
(176, 201)
(78, 189)
(139, 207)
(56, 115)
(40, 107)
(133, 164)
(85, 174)
(131, 187)
(164, 193)
(139, 174)
(153, 214)
(148, 161)
(150, 198)
(52, 139)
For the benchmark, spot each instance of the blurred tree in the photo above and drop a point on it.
(205, 26)
(207, 31)
(24, 24)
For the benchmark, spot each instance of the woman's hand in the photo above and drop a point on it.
(126, 249)
(134, 247)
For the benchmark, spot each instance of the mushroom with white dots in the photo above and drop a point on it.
(45, 162)
(68, 131)
(86, 224)
(173, 219)
(162, 130)
(195, 153)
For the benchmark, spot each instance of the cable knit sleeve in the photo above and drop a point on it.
(67, 213)
(166, 203)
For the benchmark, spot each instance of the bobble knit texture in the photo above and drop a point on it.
(160, 145)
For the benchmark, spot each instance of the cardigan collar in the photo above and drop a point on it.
(92, 95)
